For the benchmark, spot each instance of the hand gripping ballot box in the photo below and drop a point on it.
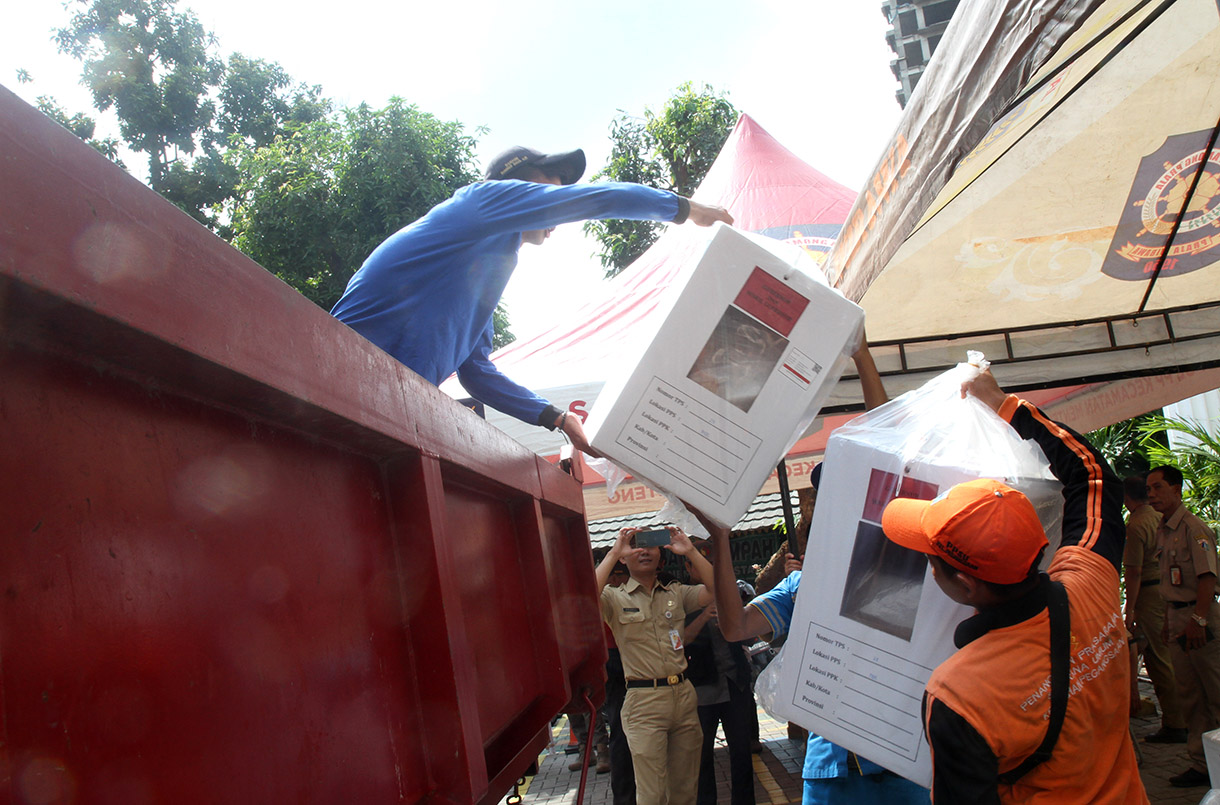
(753, 342)
(870, 624)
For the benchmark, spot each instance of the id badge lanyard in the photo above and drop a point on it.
(675, 636)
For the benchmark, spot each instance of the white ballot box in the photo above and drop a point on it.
(870, 624)
(753, 344)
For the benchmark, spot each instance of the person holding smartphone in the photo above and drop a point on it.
(646, 616)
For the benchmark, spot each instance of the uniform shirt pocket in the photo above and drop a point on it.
(630, 615)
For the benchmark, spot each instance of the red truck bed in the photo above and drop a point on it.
(245, 556)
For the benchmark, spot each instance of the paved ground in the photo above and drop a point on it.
(1159, 762)
(778, 768)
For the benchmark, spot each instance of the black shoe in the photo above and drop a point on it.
(1167, 735)
(1191, 778)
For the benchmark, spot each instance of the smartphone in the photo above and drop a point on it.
(652, 539)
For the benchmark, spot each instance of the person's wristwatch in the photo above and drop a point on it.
(1199, 619)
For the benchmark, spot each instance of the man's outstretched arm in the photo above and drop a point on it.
(1092, 493)
(870, 378)
(518, 206)
(487, 384)
(737, 621)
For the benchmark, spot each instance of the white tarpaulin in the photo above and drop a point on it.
(1047, 200)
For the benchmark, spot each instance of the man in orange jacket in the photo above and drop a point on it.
(1033, 706)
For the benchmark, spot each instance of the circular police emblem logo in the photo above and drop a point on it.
(1174, 185)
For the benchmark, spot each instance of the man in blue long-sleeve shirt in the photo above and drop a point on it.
(426, 295)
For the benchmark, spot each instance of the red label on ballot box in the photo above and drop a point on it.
(769, 300)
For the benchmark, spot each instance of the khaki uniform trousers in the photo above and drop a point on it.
(1198, 675)
(663, 732)
(1150, 619)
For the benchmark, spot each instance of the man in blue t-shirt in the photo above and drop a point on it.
(426, 295)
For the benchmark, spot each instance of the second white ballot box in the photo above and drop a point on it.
(870, 624)
(747, 354)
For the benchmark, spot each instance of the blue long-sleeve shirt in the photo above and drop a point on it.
(427, 294)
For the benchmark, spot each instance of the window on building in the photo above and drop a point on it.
(936, 13)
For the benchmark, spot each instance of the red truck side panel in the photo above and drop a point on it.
(245, 556)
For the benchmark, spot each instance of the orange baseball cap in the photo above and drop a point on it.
(984, 528)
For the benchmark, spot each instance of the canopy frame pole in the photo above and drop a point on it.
(781, 471)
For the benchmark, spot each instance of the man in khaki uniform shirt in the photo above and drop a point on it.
(1188, 585)
(1146, 608)
(660, 715)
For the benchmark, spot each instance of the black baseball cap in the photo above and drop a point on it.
(815, 477)
(569, 166)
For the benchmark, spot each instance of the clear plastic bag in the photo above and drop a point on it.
(767, 688)
(613, 473)
(935, 426)
(676, 513)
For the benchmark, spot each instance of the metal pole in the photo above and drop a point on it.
(782, 471)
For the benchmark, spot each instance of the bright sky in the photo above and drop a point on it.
(550, 75)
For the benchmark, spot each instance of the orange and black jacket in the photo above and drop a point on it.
(985, 707)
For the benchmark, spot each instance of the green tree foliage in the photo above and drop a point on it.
(265, 162)
(311, 206)
(82, 126)
(1122, 445)
(152, 64)
(1134, 446)
(502, 336)
(174, 99)
(623, 241)
(1198, 459)
(669, 150)
(258, 102)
